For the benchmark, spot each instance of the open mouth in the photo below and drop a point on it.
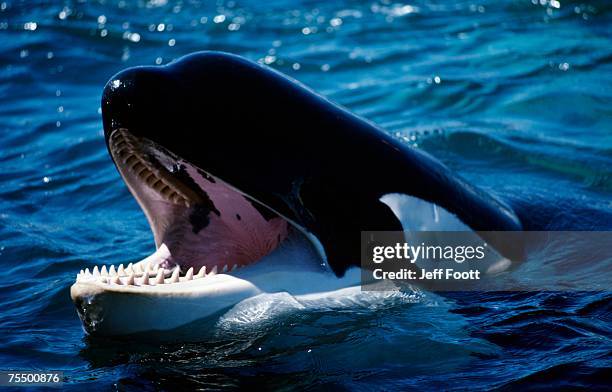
(202, 226)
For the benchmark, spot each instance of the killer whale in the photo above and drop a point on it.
(227, 158)
(292, 150)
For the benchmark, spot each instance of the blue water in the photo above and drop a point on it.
(514, 96)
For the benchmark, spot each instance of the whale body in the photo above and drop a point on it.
(235, 166)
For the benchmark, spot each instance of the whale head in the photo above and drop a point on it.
(229, 161)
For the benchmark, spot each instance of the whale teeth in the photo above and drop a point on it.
(151, 179)
(122, 152)
(145, 280)
(154, 181)
(176, 198)
(189, 274)
(166, 191)
(116, 134)
(175, 275)
(202, 272)
(143, 173)
(138, 166)
(131, 160)
(148, 273)
(160, 277)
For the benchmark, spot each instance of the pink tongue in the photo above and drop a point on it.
(238, 235)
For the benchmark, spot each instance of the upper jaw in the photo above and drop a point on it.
(201, 219)
(201, 226)
(161, 198)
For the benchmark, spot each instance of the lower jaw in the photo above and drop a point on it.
(152, 297)
(155, 315)
(154, 294)
(121, 310)
(183, 310)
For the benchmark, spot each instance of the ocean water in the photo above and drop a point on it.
(516, 96)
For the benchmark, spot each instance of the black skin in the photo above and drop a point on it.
(287, 147)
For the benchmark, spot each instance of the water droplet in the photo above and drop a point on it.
(31, 26)
(335, 22)
(134, 37)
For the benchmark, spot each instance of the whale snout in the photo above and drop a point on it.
(138, 99)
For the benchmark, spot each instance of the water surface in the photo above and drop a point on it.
(514, 96)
